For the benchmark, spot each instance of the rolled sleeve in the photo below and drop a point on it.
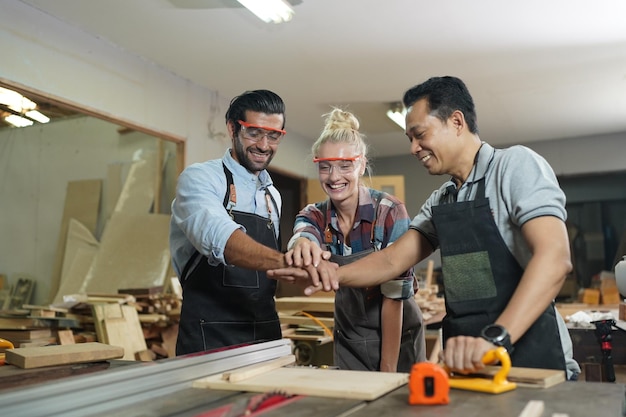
(199, 221)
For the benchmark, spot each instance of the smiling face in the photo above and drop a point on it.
(434, 142)
(340, 178)
(256, 156)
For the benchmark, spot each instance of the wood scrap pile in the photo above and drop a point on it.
(144, 323)
(432, 306)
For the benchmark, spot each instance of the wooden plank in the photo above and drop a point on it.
(23, 335)
(529, 377)
(330, 383)
(82, 200)
(308, 304)
(134, 252)
(18, 323)
(80, 249)
(37, 357)
(257, 369)
(137, 195)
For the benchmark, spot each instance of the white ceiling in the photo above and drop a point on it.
(538, 69)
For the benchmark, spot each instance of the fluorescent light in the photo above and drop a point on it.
(15, 100)
(36, 115)
(18, 121)
(276, 11)
(398, 116)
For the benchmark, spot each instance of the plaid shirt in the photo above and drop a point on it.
(392, 220)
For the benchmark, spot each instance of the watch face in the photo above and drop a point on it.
(494, 332)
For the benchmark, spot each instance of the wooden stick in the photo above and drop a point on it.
(534, 408)
(257, 369)
(434, 353)
(429, 273)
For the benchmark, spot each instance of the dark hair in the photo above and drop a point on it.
(445, 95)
(262, 101)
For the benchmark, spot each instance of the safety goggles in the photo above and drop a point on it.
(256, 133)
(344, 165)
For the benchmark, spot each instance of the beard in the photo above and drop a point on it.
(244, 158)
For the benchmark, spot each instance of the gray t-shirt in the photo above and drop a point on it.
(520, 186)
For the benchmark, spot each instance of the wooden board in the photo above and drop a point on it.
(330, 383)
(134, 252)
(119, 325)
(529, 377)
(82, 200)
(36, 357)
(137, 195)
(80, 250)
(308, 304)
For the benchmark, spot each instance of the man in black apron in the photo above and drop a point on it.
(500, 225)
(224, 233)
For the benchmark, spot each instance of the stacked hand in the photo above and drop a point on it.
(309, 264)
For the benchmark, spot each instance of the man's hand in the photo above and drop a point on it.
(324, 277)
(464, 354)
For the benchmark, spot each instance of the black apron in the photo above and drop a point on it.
(480, 275)
(357, 332)
(227, 305)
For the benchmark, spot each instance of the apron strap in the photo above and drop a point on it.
(229, 197)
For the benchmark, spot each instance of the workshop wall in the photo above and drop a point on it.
(37, 163)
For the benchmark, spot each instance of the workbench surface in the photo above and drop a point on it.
(164, 389)
(576, 399)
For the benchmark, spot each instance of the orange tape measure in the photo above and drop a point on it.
(428, 384)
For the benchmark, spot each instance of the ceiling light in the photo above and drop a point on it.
(397, 113)
(18, 121)
(276, 11)
(40, 117)
(23, 109)
(15, 100)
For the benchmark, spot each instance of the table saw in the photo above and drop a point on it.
(164, 388)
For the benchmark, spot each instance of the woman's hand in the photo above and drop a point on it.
(305, 253)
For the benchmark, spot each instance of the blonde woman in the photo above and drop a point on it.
(377, 328)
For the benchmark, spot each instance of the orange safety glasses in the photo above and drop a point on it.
(256, 132)
(345, 165)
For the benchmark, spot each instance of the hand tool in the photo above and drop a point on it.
(498, 385)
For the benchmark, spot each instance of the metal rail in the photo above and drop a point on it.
(109, 390)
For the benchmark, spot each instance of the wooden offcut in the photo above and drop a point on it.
(329, 383)
(528, 377)
(119, 325)
(36, 357)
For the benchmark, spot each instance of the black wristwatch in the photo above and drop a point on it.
(497, 335)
